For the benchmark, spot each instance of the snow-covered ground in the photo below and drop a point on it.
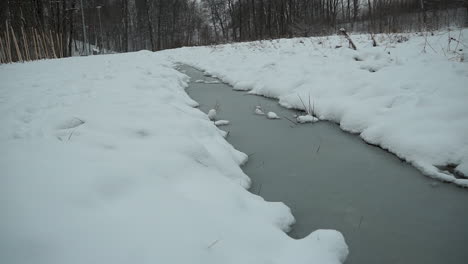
(409, 95)
(104, 159)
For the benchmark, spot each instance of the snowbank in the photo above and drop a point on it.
(104, 159)
(409, 97)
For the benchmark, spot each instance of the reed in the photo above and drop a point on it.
(2, 51)
(18, 51)
(25, 45)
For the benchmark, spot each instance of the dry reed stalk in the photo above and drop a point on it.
(8, 43)
(18, 52)
(59, 44)
(52, 43)
(35, 44)
(345, 34)
(6, 47)
(2, 51)
(39, 45)
(36, 41)
(62, 42)
(46, 51)
(26, 46)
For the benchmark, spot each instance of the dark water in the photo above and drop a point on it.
(388, 211)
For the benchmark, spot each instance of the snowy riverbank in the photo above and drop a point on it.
(104, 159)
(408, 95)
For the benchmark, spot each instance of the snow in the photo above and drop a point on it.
(259, 111)
(207, 82)
(212, 114)
(306, 119)
(462, 182)
(105, 159)
(272, 115)
(408, 95)
(221, 122)
(211, 82)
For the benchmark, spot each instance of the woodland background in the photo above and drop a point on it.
(37, 29)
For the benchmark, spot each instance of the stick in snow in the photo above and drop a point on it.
(345, 34)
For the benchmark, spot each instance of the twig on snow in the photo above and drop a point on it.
(214, 243)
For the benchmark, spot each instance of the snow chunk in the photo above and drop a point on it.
(272, 115)
(221, 122)
(307, 119)
(462, 182)
(212, 114)
(207, 82)
(212, 82)
(258, 110)
(462, 169)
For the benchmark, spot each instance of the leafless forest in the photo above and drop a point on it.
(36, 29)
